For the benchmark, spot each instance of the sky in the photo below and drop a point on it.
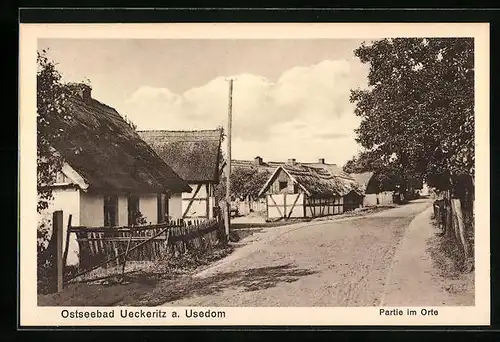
(290, 97)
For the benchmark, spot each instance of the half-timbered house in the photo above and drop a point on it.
(298, 190)
(350, 200)
(195, 157)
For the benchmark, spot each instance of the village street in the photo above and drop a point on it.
(348, 262)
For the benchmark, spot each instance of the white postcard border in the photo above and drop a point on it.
(32, 315)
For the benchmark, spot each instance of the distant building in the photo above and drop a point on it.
(425, 191)
(380, 189)
(376, 192)
(302, 190)
(248, 205)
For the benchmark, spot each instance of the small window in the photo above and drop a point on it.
(295, 188)
(133, 209)
(110, 211)
(61, 178)
(283, 185)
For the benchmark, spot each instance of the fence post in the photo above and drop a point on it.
(227, 215)
(457, 208)
(449, 219)
(66, 247)
(126, 254)
(57, 233)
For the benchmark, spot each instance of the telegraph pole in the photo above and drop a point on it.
(228, 164)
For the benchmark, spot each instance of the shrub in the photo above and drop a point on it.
(45, 258)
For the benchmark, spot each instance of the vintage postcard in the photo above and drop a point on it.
(254, 174)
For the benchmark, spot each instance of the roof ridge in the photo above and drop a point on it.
(196, 140)
(179, 131)
(310, 164)
(117, 145)
(318, 163)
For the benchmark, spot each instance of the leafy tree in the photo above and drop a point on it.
(52, 102)
(53, 108)
(363, 162)
(418, 111)
(245, 182)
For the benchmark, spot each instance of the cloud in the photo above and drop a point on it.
(304, 107)
(332, 135)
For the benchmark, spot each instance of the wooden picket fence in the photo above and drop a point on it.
(114, 246)
(456, 223)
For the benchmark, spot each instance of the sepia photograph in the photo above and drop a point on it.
(181, 177)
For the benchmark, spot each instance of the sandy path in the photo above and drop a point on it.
(413, 279)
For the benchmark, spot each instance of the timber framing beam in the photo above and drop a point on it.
(276, 205)
(293, 206)
(191, 200)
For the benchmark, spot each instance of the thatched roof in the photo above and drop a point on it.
(377, 182)
(363, 179)
(316, 181)
(251, 164)
(194, 155)
(325, 168)
(109, 154)
(334, 169)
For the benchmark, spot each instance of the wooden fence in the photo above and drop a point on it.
(457, 223)
(300, 205)
(110, 246)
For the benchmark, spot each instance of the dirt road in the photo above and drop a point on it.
(338, 263)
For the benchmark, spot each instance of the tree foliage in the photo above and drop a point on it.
(365, 161)
(418, 111)
(52, 102)
(245, 182)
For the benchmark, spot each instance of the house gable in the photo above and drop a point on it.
(68, 176)
(108, 154)
(281, 175)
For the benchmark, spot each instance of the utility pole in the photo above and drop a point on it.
(228, 164)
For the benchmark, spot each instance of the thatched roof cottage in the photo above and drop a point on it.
(383, 189)
(110, 176)
(300, 190)
(195, 156)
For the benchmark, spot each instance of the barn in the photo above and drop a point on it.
(195, 156)
(379, 189)
(297, 190)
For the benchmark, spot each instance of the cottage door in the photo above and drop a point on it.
(110, 211)
(133, 210)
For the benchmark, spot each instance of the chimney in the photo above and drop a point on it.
(291, 161)
(321, 160)
(257, 161)
(84, 91)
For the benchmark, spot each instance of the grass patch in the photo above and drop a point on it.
(449, 263)
(357, 212)
(107, 286)
(244, 230)
(269, 224)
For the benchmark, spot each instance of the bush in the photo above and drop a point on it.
(45, 258)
